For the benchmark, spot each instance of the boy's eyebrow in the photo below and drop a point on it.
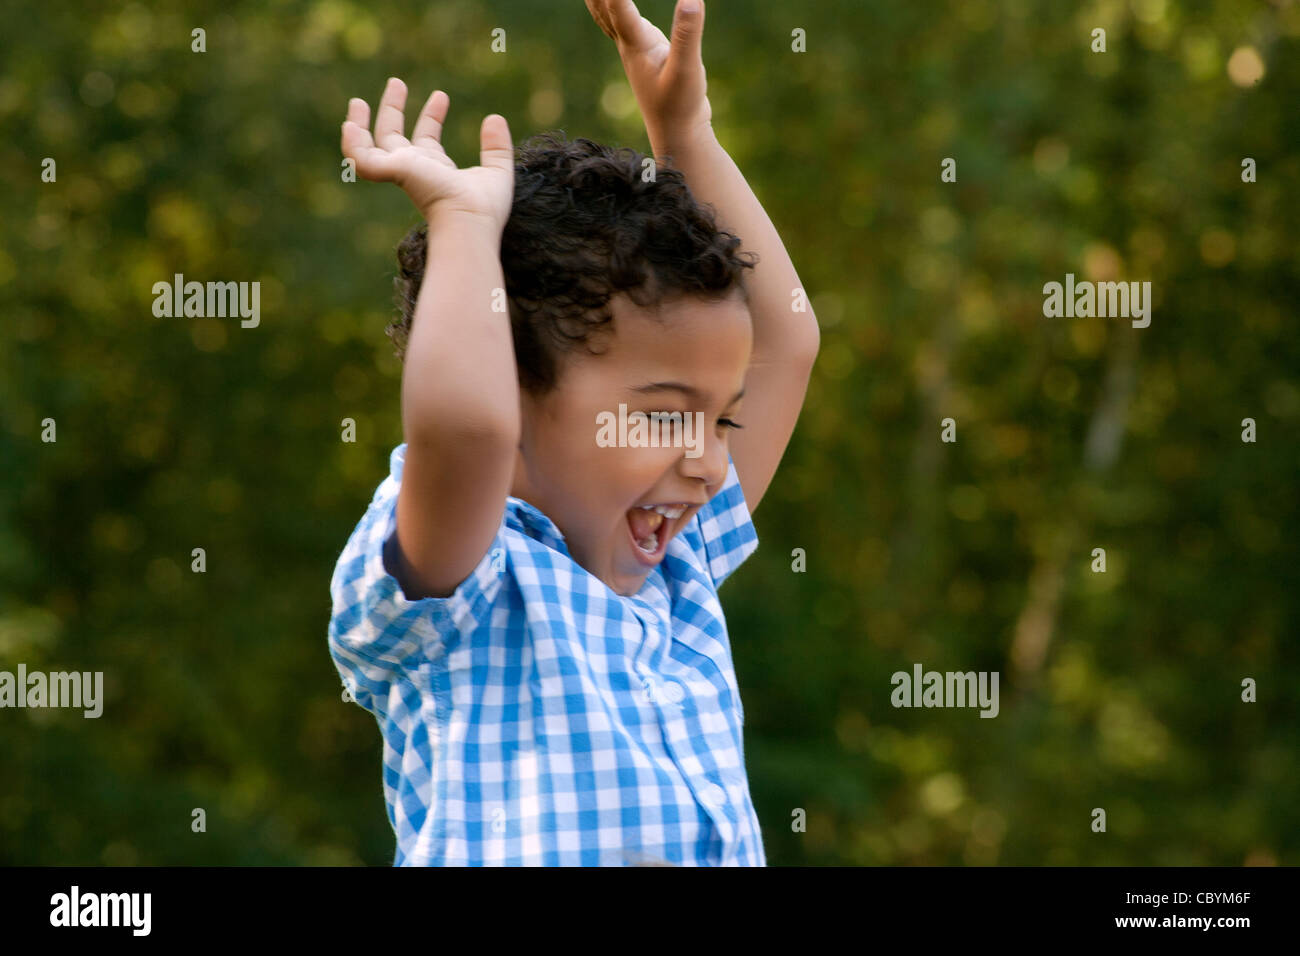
(689, 391)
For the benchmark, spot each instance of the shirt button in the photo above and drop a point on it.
(673, 692)
(713, 795)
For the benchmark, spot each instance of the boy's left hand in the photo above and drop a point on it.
(666, 77)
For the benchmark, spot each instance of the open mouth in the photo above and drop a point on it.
(650, 527)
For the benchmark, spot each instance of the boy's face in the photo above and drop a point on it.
(593, 492)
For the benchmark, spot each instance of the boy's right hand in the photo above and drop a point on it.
(422, 167)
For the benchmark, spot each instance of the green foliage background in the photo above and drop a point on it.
(1119, 690)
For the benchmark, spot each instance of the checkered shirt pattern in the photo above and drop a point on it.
(535, 717)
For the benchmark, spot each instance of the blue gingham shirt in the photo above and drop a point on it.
(537, 717)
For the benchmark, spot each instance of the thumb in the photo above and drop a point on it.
(496, 149)
(688, 30)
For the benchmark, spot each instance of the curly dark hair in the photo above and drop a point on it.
(584, 226)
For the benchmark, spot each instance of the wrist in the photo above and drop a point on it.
(682, 143)
(443, 218)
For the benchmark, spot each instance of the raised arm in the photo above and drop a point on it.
(669, 82)
(460, 401)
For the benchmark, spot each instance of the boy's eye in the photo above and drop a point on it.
(667, 416)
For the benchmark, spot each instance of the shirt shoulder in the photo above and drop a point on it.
(726, 533)
(376, 632)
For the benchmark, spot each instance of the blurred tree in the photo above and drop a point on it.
(1121, 689)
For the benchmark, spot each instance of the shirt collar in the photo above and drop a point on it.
(537, 526)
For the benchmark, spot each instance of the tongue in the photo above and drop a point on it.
(644, 523)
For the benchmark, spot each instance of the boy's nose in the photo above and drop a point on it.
(711, 465)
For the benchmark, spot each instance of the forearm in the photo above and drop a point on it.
(714, 178)
(459, 374)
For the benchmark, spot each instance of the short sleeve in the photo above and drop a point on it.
(375, 631)
(725, 526)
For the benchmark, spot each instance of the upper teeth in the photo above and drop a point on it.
(668, 511)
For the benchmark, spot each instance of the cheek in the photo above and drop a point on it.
(566, 437)
(640, 470)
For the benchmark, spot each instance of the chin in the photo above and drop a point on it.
(629, 583)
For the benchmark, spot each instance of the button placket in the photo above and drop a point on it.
(714, 800)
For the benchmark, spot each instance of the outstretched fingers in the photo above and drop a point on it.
(359, 146)
(685, 51)
(496, 150)
(390, 121)
(428, 125)
(600, 13)
(624, 18)
(359, 113)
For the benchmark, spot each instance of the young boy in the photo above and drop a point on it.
(531, 614)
